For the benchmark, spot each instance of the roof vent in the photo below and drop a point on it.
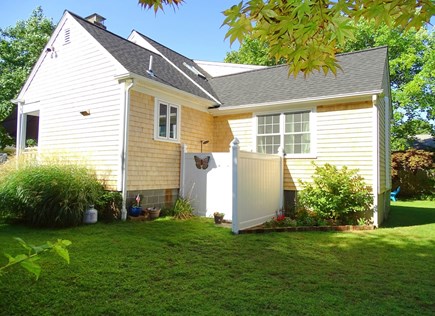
(97, 19)
(150, 67)
(194, 70)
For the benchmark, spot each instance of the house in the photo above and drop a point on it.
(128, 105)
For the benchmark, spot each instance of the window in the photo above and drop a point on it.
(168, 121)
(268, 134)
(297, 133)
(292, 131)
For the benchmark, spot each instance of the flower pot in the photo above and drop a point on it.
(135, 211)
(218, 219)
(154, 212)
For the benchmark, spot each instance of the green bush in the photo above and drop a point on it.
(109, 205)
(337, 195)
(414, 171)
(53, 195)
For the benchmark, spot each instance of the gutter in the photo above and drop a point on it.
(302, 100)
(124, 150)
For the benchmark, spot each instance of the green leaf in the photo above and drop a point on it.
(23, 243)
(62, 252)
(32, 267)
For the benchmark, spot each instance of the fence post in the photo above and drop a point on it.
(182, 168)
(281, 154)
(234, 151)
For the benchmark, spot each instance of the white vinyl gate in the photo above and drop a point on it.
(246, 186)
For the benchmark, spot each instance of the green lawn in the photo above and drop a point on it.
(195, 268)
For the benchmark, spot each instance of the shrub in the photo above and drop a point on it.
(338, 195)
(54, 194)
(413, 170)
(109, 205)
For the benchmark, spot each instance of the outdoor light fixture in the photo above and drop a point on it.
(203, 142)
(85, 113)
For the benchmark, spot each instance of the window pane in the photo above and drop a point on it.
(268, 124)
(173, 123)
(297, 144)
(163, 113)
(268, 144)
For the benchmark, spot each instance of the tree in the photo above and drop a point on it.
(252, 52)
(412, 68)
(306, 33)
(20, 47)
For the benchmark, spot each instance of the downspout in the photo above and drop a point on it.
(376, 170)
(124, 151)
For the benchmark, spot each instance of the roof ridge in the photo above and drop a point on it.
(285, 65)
(149, 38)
(363, 50)
(110, 32)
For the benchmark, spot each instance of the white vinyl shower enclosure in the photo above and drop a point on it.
(246, 186)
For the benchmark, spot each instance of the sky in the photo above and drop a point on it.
(193, 30)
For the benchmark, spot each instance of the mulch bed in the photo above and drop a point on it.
(261, 229)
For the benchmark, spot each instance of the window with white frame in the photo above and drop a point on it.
(291, 130)
(167, 121)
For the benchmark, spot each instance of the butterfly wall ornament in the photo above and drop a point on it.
(201, 163)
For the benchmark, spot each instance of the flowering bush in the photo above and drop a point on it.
(280, 221)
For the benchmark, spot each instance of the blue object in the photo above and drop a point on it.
(393, 194)
(135, 211)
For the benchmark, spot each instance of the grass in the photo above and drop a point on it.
(190, 267)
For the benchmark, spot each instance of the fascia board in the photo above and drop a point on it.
(153, 87)
(350, 97)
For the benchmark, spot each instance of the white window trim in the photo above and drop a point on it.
(313, 130)
(157, 120)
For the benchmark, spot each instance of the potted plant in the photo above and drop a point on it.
(136, 210)
(154, 212)
(218, 217)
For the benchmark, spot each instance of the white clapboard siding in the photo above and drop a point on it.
(344, 138)
(242, 130)
(80, 77)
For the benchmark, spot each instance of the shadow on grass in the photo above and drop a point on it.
(410, 214)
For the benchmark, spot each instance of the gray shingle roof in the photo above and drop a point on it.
(362, 71)
(136, 59)
(179, 60)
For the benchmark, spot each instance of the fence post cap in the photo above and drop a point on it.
(235, 142)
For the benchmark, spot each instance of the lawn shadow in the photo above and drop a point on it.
(409, 215)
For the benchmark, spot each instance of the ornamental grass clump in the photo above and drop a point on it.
(183, 209)
(53, 194)
(338, 195)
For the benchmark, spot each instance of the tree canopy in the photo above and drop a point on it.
(412, 69)
(307, 33)
(20, 47)
(252, 52)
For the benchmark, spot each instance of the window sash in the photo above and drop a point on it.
(168, 121)
(291, 130)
